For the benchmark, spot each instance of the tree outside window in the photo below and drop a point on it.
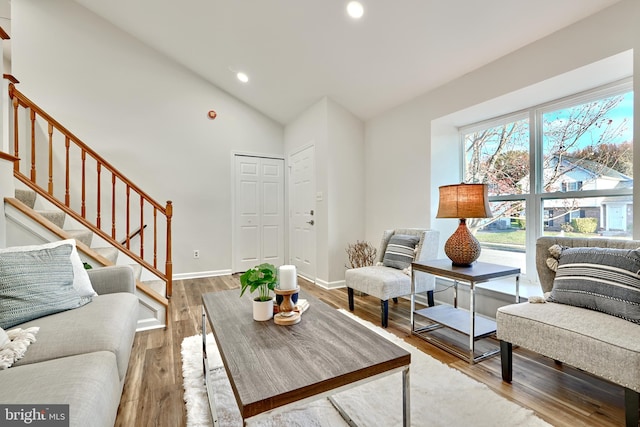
(582, 155)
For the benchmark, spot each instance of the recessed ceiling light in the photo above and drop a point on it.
(242, 77)
(355, 9)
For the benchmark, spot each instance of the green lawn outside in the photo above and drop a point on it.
(505, 237)
(516, 237)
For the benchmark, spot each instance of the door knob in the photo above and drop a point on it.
(310, 222)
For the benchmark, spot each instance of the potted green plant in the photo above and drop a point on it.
(261, 278)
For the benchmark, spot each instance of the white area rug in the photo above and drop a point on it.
(440, 396)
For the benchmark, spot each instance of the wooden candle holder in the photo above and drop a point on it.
(286, 315)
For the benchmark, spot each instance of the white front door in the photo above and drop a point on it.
(302, 228)
(259, 212)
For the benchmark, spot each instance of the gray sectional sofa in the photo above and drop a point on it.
(599, 343)
(80, 356)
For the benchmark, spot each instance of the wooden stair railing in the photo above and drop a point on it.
(61, 149)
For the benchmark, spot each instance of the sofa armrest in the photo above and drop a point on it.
(112, 279)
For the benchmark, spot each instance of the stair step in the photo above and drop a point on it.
(108, 252)
(137, 271)
(84, 236)
(56, 217)
(28, 197)
(157, 285)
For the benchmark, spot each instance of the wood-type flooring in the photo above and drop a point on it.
(559, 394)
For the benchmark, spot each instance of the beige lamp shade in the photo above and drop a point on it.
(464, 201)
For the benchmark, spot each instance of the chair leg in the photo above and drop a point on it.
(430, 300)
(350, 293)
(395, 300)
(384, 308)
(506, 359)
(631, 407)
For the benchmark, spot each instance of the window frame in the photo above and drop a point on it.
(534, 199)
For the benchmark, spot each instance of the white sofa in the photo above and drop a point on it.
(80, 356)
(598, 343)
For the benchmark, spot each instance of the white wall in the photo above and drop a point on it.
(346, 188)
(413, 148)
(146, 115)
(397, 170)
(338, 137)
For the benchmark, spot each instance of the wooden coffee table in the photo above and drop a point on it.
(271, 366)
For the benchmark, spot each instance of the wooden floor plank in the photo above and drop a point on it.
(561, 395)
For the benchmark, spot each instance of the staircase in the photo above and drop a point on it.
(31, 220)
(56, 187)
(54, 220)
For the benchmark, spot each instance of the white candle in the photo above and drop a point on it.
(288, 279)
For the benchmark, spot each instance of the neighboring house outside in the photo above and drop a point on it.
(613, 214)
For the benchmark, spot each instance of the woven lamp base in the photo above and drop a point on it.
(462, 248)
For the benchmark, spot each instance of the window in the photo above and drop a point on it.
(561, 168)
(571, 185)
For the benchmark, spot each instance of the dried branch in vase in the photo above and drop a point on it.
(361, 254)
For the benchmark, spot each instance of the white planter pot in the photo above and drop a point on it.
(262, 310)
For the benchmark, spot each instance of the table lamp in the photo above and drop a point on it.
(463, 201)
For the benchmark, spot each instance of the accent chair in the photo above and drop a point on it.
(390, 277)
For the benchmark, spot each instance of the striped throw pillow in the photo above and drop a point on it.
(400, 251)
(36, 283)
(602, 279)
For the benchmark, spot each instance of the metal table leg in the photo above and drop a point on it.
(406, 401)
(413, 299)
(472, 316)
(455, 294)
(205, 367)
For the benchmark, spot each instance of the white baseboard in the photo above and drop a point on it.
(147, 325)
(330, 285)
(200, 274)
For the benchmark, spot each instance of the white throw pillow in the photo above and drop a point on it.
(16, 346)
(81, 281)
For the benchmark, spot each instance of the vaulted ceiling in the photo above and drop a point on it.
(298, 51)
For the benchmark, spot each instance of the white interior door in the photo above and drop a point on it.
(302, 194)
(259, 212)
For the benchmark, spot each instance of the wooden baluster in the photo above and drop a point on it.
(141, 227)
(19, 100)
(33, 145)
(98, 202)
(50, 188)
(67, 198)
(83, 206)
(169, 264)
(128, 216)
(113, 205)
(155, 237)
(16, 139)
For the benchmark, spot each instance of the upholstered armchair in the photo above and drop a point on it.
(390, 277)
